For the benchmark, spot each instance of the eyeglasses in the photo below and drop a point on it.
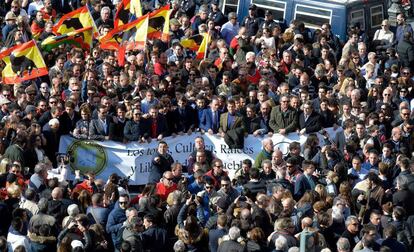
(169, 179)
(405, 114)
(403, 91)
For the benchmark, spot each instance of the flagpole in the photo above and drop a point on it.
(208, 36)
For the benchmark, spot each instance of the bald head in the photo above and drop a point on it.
(57, 193)
(306, 222)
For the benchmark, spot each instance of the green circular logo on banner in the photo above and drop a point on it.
(87, 156)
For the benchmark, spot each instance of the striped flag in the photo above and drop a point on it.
(159, 24)
(81, 38)
(122, 13)
(23, 62)
(75, 20)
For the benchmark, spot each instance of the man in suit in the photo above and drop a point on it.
(156, 124)
(99, 128)
(232, 127)
(69, 118)
(185, 115)
(309, 120)
(307, 181)
(210, 120)
(283, 118)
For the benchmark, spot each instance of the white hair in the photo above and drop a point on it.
(104, 9)
(293, 249)
(179, 246)
(250, 54)
(53, 122)
(343, 244)
(281, 243)
(234, 233)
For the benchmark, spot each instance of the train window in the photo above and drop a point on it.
(313, 17)
(377, 15)
(358, 16)
(230, 6)
(278, 8)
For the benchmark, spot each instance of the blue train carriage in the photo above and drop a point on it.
(369, 13)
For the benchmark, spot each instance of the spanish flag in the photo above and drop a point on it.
(135, 36)
(81, 38)
(159, 24)
(122, 13)
(202, 50)
(23, 62)
(136, 8)
(132, 35)
(75, 20)
(193, 43)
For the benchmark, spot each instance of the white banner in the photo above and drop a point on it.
(134, 160)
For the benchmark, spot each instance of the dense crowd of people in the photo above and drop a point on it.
(350, 191)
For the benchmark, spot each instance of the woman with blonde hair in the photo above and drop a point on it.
(347, 82)
(4, 165)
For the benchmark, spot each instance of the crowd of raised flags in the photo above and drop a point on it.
(131, 32)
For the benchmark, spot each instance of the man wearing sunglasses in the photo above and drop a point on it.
(166, 185)
(117, 217)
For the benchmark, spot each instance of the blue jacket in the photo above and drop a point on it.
(115, 220)
(206, 121)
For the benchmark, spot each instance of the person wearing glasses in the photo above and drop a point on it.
(352, 230)
(166, 185)
(217, 173)
(117, 217)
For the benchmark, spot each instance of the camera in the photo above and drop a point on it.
(66, 158)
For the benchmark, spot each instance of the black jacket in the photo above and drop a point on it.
(313, 124)
(154, 239)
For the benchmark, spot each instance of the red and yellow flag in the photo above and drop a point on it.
(132, 35)
(202, 50)
(193, 43)
(136, 8)
(75, 20)
(159, 24)
(81, 38)
(23, 62)
(122, 13)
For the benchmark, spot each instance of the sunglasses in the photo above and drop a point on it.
(123, 202)
(169, 179)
